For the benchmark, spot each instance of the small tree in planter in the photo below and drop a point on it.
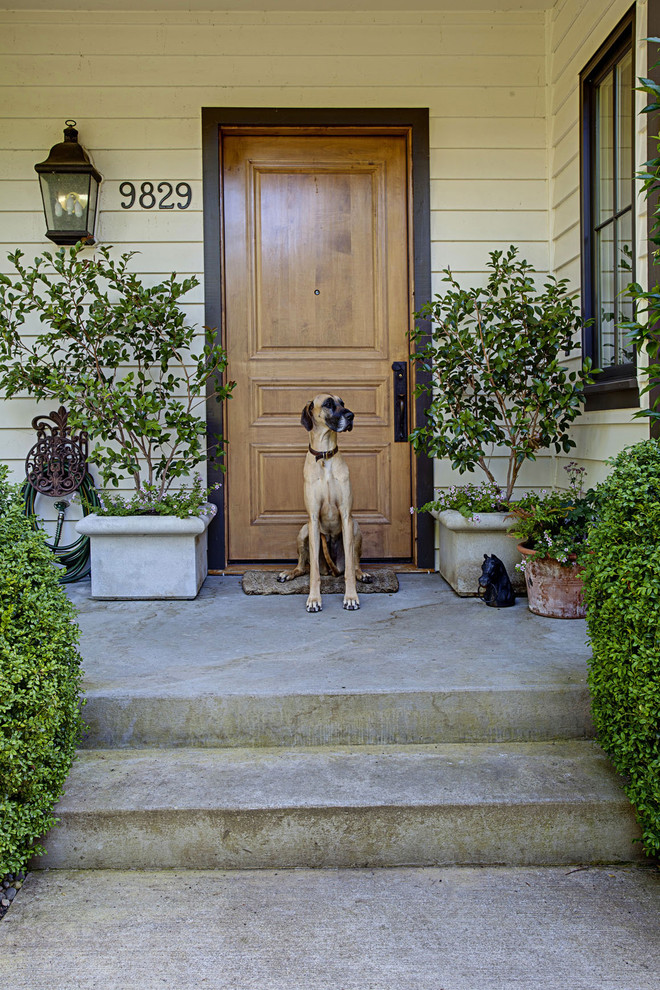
(495, 360)
(122, 358)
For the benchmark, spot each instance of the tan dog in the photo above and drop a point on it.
(329, 504)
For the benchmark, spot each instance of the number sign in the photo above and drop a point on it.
(164, 196)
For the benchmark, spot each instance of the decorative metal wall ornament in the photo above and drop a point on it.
(55, 466)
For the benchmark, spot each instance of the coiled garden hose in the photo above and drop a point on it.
(74, 556)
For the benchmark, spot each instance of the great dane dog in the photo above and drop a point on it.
(331, 541)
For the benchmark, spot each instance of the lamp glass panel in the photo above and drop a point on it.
(93, 199)
(66, 200)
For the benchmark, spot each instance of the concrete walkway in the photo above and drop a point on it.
(401, 929)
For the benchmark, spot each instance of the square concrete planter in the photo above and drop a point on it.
(463, 543)
(147, 556)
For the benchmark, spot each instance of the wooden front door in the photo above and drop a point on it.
(317, 298)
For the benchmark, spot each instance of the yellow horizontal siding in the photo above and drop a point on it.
(365, 40)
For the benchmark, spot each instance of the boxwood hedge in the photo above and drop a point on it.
(40, 675)
(622, 592)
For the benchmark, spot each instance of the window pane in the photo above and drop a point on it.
(625, 125)
(606, 292)
(625, 353)
(604, 149)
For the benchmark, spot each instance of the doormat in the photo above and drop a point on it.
(266, 583)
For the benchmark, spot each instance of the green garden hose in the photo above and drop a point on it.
(75, 556)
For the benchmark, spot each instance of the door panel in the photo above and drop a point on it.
(316, 299)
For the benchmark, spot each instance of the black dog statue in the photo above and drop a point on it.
(494, 585)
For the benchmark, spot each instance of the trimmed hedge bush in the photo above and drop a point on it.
(40, 676)
(622, 593)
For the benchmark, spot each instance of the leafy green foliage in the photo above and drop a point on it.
(40, 677)
(182, 502)
(644, 330)
(118, 354)
(622, 593)
(494, 360)
(556, 523)
(469, 499)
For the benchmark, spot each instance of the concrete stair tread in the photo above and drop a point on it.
(226, 643)
(524, 803)
(366, 776)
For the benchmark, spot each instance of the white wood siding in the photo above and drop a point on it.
(135, 83)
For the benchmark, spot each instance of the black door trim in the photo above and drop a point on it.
(415, 119)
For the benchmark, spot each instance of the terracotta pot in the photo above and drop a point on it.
(553, 589)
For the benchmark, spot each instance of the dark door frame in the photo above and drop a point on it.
(416, 120)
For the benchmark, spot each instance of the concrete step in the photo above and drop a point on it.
(515, 804)
(475, 714)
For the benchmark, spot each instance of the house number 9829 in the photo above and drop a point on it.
(161, 196)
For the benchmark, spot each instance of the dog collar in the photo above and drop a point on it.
(323, 455)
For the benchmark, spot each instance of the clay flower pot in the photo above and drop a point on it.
(553, 589)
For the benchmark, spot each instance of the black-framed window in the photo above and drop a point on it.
(608, 211)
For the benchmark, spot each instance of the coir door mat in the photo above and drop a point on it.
(266, 583)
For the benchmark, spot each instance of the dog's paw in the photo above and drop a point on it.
(365, 578)
(283, 576)
(351, 603)
(314, 605)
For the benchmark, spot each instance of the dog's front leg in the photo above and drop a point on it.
(351, 599)
(314, 603)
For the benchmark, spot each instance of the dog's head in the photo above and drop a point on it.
(329, 411)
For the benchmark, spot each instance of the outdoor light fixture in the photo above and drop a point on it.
(69, 189)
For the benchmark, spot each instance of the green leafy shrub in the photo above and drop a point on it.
(495, 357)
(556, 523)
(181, 502)
(40, 675)
(469, 499)
(622, 593)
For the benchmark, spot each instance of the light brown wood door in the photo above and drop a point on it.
(317, 298)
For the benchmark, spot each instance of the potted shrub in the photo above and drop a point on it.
(552, 528)
(134, 375)
(494, 359)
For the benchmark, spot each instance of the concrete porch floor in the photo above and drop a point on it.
(409, 649)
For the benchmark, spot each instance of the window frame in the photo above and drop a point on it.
(616, 385)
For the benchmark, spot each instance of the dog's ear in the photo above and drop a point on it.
(306, 416)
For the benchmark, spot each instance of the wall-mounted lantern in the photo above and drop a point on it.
(69, 189)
